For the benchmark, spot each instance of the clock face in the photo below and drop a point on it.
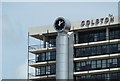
(59, 24)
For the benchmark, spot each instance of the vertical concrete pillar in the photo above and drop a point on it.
(70, 54)
(62, 56)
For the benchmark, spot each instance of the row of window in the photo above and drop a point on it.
(91, 36)
(97, 64)
(46, 56)
(83, 37)
(97, 35)
(45, 70)
(114, 33)
(82, 66)
(115, 76)
(97, 50)
(81, 52)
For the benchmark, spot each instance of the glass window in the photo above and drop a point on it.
(77, 66)
(42, 56)
(98, 63)
(83, 77)
(89, 51)
(48, 56)
(114, 76)
(82, 37)
(107, 76)
(104, 49)
(97, 50)
(93, 50)
(88, 76)
(78, 52)
(104, 63)
(93, 77)
(96, 36)
(53, 55)
(53, 69)
(36, 57)
(48, 69)
(98, 76)
(93, 64)
(88, 62)
(82, 63)
(114, 48)
(102, 76)
(37, 71)
(86, 52)
(119, 47)
(109, 62)
(114, 33)
(115, 61)
(43, 70)
(52, 41)
(109, 48)
(118, 62)
(102, 36)
(91, 36)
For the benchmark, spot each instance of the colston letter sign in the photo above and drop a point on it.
(96, 22)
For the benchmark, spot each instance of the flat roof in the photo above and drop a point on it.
(99, 22)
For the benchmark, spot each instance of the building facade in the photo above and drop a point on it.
(96, 54)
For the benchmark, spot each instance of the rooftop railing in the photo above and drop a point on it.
(31, 75)
(35, 47)
(32, 61)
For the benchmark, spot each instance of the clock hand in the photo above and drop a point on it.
(60, 22)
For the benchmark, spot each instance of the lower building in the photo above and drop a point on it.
(96, 50)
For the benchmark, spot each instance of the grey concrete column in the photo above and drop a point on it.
(70, 53)
(62, 56)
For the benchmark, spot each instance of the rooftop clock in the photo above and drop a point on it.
(62, 24)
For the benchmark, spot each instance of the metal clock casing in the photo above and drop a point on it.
(62, 24)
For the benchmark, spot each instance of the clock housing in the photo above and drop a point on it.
(62, 24)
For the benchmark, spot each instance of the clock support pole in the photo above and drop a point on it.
(64, 56)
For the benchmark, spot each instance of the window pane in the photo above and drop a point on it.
(93, 64)
(115, 61)
(98, 63)
(77, 66)
(104, 63)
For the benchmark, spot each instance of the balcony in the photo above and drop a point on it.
(33, 63)
(32, 76)
(41, 48)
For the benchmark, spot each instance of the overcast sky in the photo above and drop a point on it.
(18, 17)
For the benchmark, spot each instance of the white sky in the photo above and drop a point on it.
(18, 17)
